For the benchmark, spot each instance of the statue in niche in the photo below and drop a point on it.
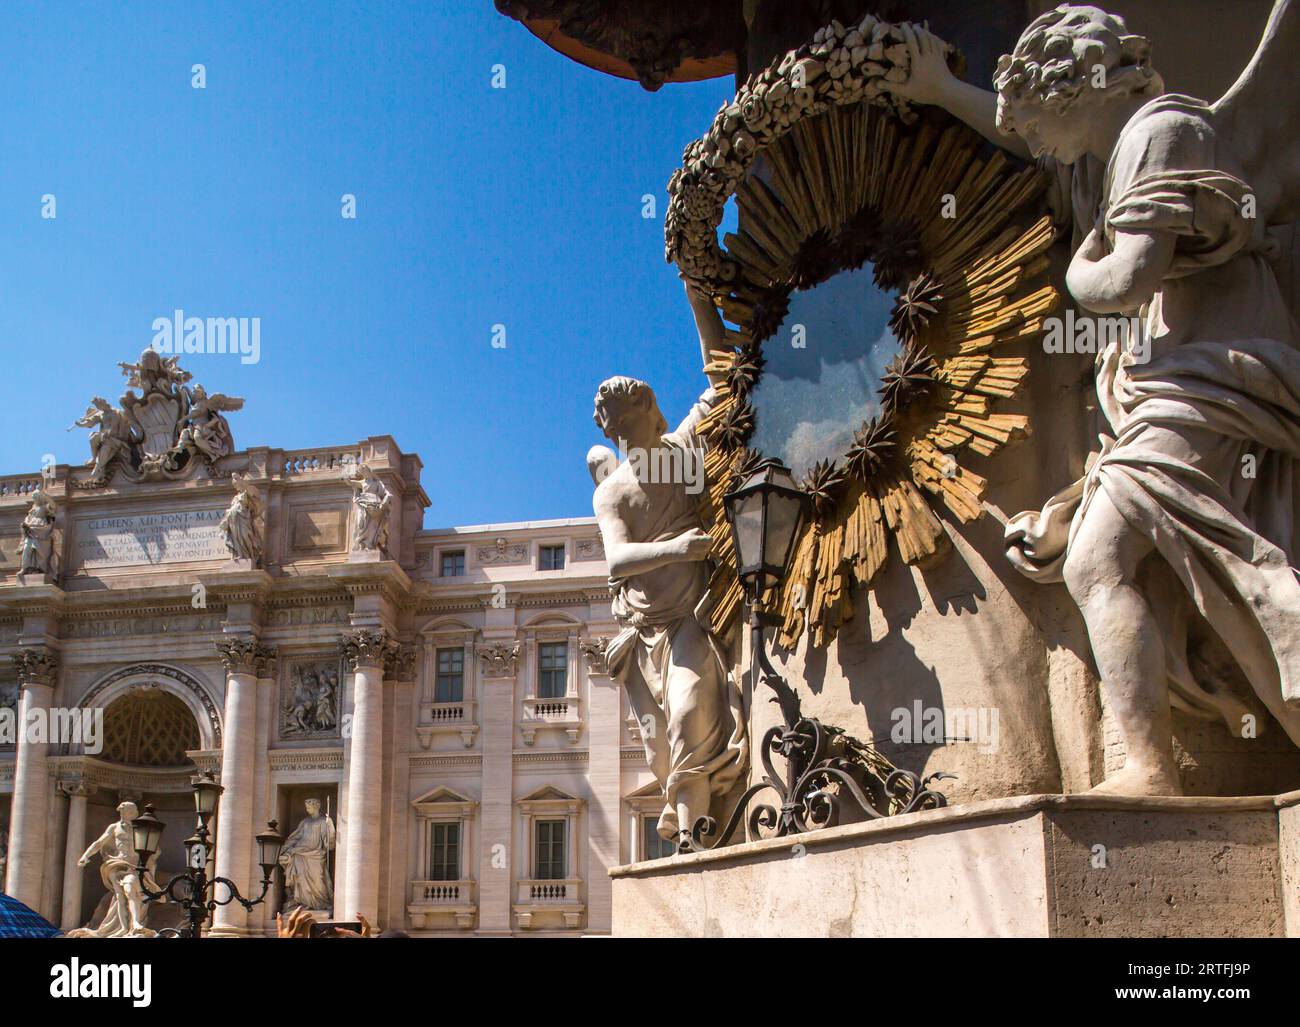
(243, 524)
(305, 859)
(1170, 200)
(371, 505)
(665, 655)
(312, 706)
(36, 552)
(126, 914)
(115, 434)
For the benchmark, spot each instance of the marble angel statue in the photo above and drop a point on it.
(115, 433)
(1170, 200)
(204, 428)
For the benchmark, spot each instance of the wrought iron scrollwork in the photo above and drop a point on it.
(828, 774)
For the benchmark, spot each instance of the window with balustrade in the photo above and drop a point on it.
(552, 670)
(449, 681)
(550, 856)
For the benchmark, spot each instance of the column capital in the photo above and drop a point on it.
(401, 663)
(264, 661)
(75, 789)
(368, 648)
(498, 659)
(36, 665)
(239, 655)
(595, 652)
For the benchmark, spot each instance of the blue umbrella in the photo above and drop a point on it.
(17, 921)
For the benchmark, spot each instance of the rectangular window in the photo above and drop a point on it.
(551, 558)
(550, 861)
(450, 683)
(444, 852)
(453, 564)
(652, 846)
(552, 670)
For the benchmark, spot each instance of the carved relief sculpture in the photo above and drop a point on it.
(1169, 199)
(244, 523)
(126, 914)
(311, 704)
(666, 656)
(305, 859)
(36, 552)
(498, 659)
(371, 505)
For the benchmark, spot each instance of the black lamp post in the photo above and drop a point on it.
(191, 888)
(823, 765)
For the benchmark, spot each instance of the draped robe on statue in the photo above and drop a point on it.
(305, 858)
(1207, 432)
(693, 724)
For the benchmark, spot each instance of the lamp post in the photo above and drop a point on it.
(191, 888)
(823, 765)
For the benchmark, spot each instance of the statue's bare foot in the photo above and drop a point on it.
(1139, 780)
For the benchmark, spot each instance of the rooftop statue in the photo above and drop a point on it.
(1169, 199)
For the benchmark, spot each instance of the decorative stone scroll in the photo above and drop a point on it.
(852, 177)
(593, 651)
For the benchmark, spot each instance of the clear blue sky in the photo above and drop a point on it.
(475, 206)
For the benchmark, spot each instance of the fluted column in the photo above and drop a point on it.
(38, 670)
(367, 652)
(74, 845)
(245, 661)
(498, 664)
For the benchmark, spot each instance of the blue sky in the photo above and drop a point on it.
(475, 206)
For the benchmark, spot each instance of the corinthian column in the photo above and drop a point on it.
(366, 652)
(38, 671)
(245, 662)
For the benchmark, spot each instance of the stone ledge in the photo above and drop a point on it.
(1031, 866)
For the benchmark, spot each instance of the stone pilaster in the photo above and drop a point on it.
(74, 845)
(367, 652)
(604, 768)
(245, 661)
(497, 665)
(38, 671)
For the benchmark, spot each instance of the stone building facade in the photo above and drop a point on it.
(443, 694)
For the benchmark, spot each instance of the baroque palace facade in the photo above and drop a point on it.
(284, 620)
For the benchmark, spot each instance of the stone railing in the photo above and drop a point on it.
(445, 902)
(312, 461)
(447, 718)
(564, 712)
(557, 902)
(20, 484)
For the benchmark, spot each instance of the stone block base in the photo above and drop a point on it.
(1031, 866)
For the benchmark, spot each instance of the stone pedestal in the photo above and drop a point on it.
(1034, 866)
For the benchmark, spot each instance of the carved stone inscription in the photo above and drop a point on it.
(175, 537)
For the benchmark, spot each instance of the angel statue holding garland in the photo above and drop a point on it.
(1188, 507)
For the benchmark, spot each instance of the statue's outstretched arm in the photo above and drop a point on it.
(931, 81)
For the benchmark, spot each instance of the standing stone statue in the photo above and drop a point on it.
(244, 522)
(676, 679)
(1170, 199)
(36, 553)
(126, 913)
(305, 858)
(371, 506)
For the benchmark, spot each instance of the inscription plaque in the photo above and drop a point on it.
(179, 536)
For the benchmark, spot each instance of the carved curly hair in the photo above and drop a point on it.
(629, 390)
(1056, 58)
